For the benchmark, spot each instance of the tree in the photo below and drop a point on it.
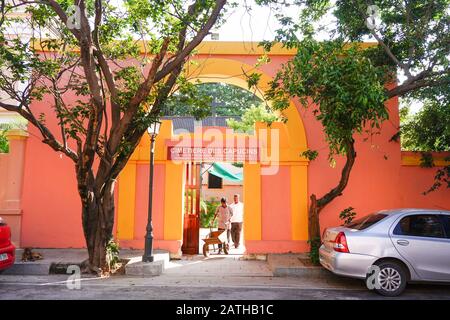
(426, 131)
(251, 116)
(413, 51)
(121, 61)
(228, 100)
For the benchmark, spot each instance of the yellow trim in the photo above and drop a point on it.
(299, 202)
(415, 160)
(127, 201)
(17, 134)
(174, 201)
(252, 208)
(242, 48)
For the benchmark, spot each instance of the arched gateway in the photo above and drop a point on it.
(275, 174)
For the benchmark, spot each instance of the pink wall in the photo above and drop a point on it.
(141, 211)
(276, 215)
(51, 206)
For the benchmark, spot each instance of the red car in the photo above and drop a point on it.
(7, 249)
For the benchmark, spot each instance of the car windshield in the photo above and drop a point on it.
(365, 222)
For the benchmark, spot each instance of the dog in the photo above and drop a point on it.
(29, 255)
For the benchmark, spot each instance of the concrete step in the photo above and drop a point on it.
(135, 267)
(49, 257)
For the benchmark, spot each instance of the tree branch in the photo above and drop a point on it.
(194, 43)
(345, 175)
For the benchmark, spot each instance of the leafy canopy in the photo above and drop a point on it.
(428, 129)
(256, 113)
(339, 83)
(205, 99)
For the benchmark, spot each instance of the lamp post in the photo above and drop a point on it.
(153, 131)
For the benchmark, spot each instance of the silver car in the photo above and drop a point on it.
(390, 248)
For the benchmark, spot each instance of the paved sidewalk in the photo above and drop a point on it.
(215, 265)
(218, 265)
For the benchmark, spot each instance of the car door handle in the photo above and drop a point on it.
(403, 242)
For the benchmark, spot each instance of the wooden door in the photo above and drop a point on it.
(191, 227)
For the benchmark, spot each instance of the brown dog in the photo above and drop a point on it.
(29, 255)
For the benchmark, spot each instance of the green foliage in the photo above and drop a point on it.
(112, 254)
(4, 127)
(253, 79)
(413, 37)
(313, 254)
(4, 144)
(428, 129)
(228, 100)
(208, 209)
(238, 164)
(342, 87)
(426, 160)
(347, 215)
(189, 100)
(310, 154)
(411, 28)
(441, 178)
(258, 113)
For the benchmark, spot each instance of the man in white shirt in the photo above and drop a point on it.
(236, 220)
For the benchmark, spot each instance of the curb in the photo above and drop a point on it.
(305, 272)
(28, 268)
(56, 263)
(290, 265)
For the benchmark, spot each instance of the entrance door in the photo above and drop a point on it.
(191, 209)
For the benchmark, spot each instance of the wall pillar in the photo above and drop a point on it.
(252, 208)
(127, 202)
(299, 202)
(11, 182)
(174, 206)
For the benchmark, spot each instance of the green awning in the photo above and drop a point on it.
(221, 172)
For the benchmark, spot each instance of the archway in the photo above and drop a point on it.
(275, 222)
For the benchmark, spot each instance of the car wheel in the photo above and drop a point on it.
(391, 279)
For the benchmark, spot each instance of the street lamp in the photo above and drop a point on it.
(153, 131)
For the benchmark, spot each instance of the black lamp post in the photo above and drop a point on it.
(153, 131)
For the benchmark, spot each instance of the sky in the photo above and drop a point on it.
(250, 22)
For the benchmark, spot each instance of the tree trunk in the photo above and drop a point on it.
(313, 219)
(317, 205)
(98, 220)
